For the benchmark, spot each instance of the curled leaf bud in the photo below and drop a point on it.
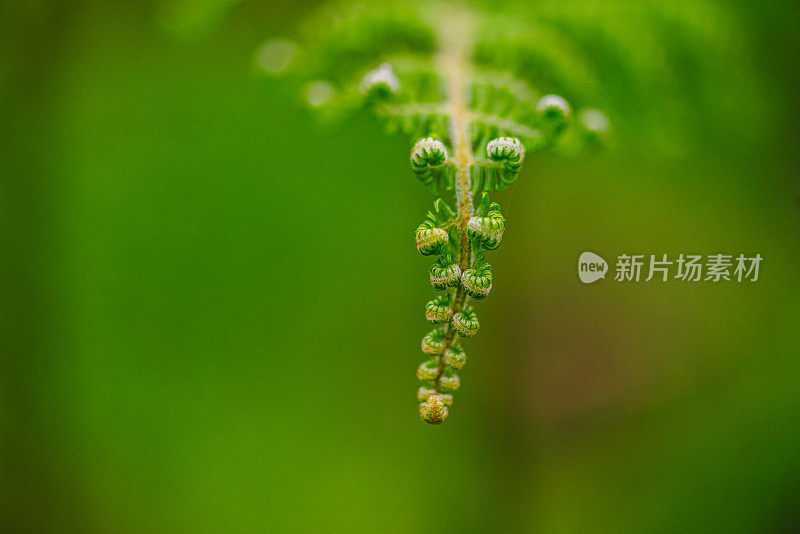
(423, 393)
(554, 109)
(595, 123)
(380, 83)
(428, 156)
(466, 323)
(433, 342)
(445, 272)
(454, 356)
(449, 380)
(508, 151)
(489, 229)
(438, 310)
(428, 370)
(477, 281)
(433, 410)
(428, 238)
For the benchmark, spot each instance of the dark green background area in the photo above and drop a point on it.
(211, 312)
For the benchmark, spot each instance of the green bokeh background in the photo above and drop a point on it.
(211, 312)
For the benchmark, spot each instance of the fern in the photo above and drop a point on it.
(477, 93)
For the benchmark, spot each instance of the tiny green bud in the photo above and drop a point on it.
(433, 342)
(595, 124)
(449, 380)
(477, 281)
(428, 238)
(380, 83)
(508, 151)
(423, 393)
(466, 322)
(438, 310)
(554, 108)
(489, 229)
(427, 156)
(454, 357)
(428, 370)
(433, 410)
(445, 273)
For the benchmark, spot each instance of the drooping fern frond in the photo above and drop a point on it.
(478, 93)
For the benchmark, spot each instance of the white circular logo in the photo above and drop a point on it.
(591, 267)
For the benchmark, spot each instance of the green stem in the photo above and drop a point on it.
(455, 36)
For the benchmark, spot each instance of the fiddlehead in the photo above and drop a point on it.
(429, 237)
(433, 409)
(445, 272)
(434, 341)
(466, 322)
(488, 225)
(477, 280)
(428, 158)
(454, 357)
(470, 132)
(381, 83)
(477, 93)
(438, 310)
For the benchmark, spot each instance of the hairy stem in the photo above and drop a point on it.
(455, 46)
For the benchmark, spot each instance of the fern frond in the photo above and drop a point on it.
(478, 92)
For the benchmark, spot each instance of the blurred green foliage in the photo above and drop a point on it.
(185, 279)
